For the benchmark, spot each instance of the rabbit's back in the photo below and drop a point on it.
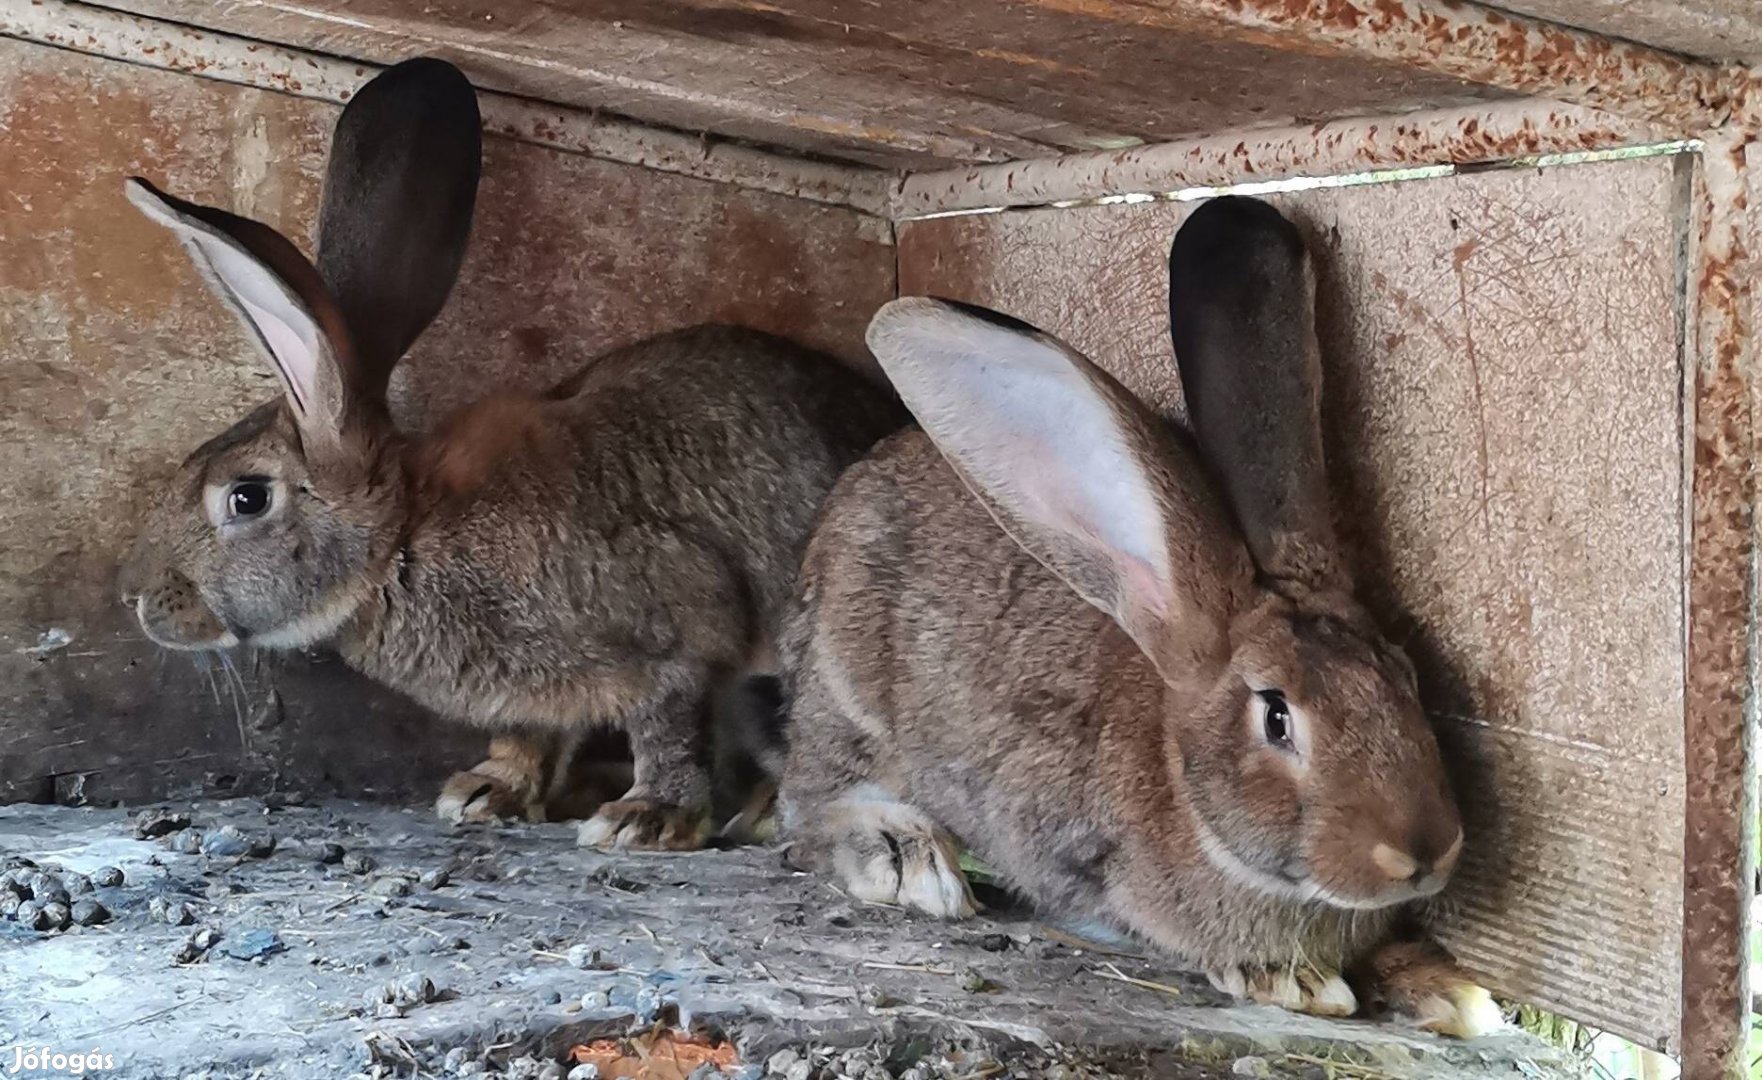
(651, 511)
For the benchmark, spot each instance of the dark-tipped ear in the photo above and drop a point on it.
(1079, 472)
(1242, 314)
(398, 200)
(277, 295)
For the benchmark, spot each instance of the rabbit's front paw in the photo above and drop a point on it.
(1421, 981)
(1299, 988)
(645, 824)
(479, 796)
(890, 853)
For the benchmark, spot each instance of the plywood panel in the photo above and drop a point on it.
(919, 85)
(116, 363)
(1504, 422)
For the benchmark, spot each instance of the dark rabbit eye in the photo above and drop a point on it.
(247, 499)
(1278, 719)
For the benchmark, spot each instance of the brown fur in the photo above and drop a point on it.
(609, 554)
(1113, 759)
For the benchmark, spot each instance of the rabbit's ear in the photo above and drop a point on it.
(1080, 473)
(277, 295)
(1242, 314)
(398, 199)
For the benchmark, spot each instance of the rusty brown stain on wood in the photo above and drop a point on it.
(1718, 738)
(1478, 45)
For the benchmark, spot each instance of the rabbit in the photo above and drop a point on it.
(613, 552)
(1122, 666)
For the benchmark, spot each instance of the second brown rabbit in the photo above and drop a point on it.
(610, 553)
(1129, 673)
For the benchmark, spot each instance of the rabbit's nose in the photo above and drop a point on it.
(1397, 864)
(1402, 866)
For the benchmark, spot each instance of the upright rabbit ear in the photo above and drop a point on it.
(1082, 475)
(1242, 314)
(398, 199)
(277, 295)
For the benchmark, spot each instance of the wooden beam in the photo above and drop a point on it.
(1473, 134)
(1719, 725)
(157, 43)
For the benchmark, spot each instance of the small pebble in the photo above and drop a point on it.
(973, 982)
(168, 911)
(582, 956)
(329, 853)
(356, 863)
(107, 877)
(876, 998)
(89, 912)
(14, 882)
(455, 1058)
(648, 1004)
(434, 879)
(413, 989)
(9, 904)
(550, 1070)
(522, 1068)
(17, 862)
(226, 843)
(597, 999)
(152, 823)
(587, 1070)
(801, 1070)
(555, 997)
(46, 887)
(748, 1072)
(254, 944)
(389, 885)
(76, 884)
(995, 942)
(262, 845)
(196, 946)
(781, 1062)
(30, 916)
(187, 842)
(471, 1068)
(57, 914)
(1252, 1065)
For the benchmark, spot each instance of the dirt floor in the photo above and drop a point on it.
(341, 939)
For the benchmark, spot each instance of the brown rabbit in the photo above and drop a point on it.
(1037, 626)
(612, 552)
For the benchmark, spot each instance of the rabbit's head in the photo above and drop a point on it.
(268, 532)
(1309, 768)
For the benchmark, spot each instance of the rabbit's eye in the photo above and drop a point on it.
(1277, 717)
(247, 499)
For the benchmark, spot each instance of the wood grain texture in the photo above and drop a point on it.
(1504, 422)
(919, 85)
(117, 363)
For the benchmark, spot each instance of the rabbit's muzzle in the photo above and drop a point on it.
(171, 610)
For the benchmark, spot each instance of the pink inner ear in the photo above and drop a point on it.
(294, 340)
(283, 343)
(1142, 587)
